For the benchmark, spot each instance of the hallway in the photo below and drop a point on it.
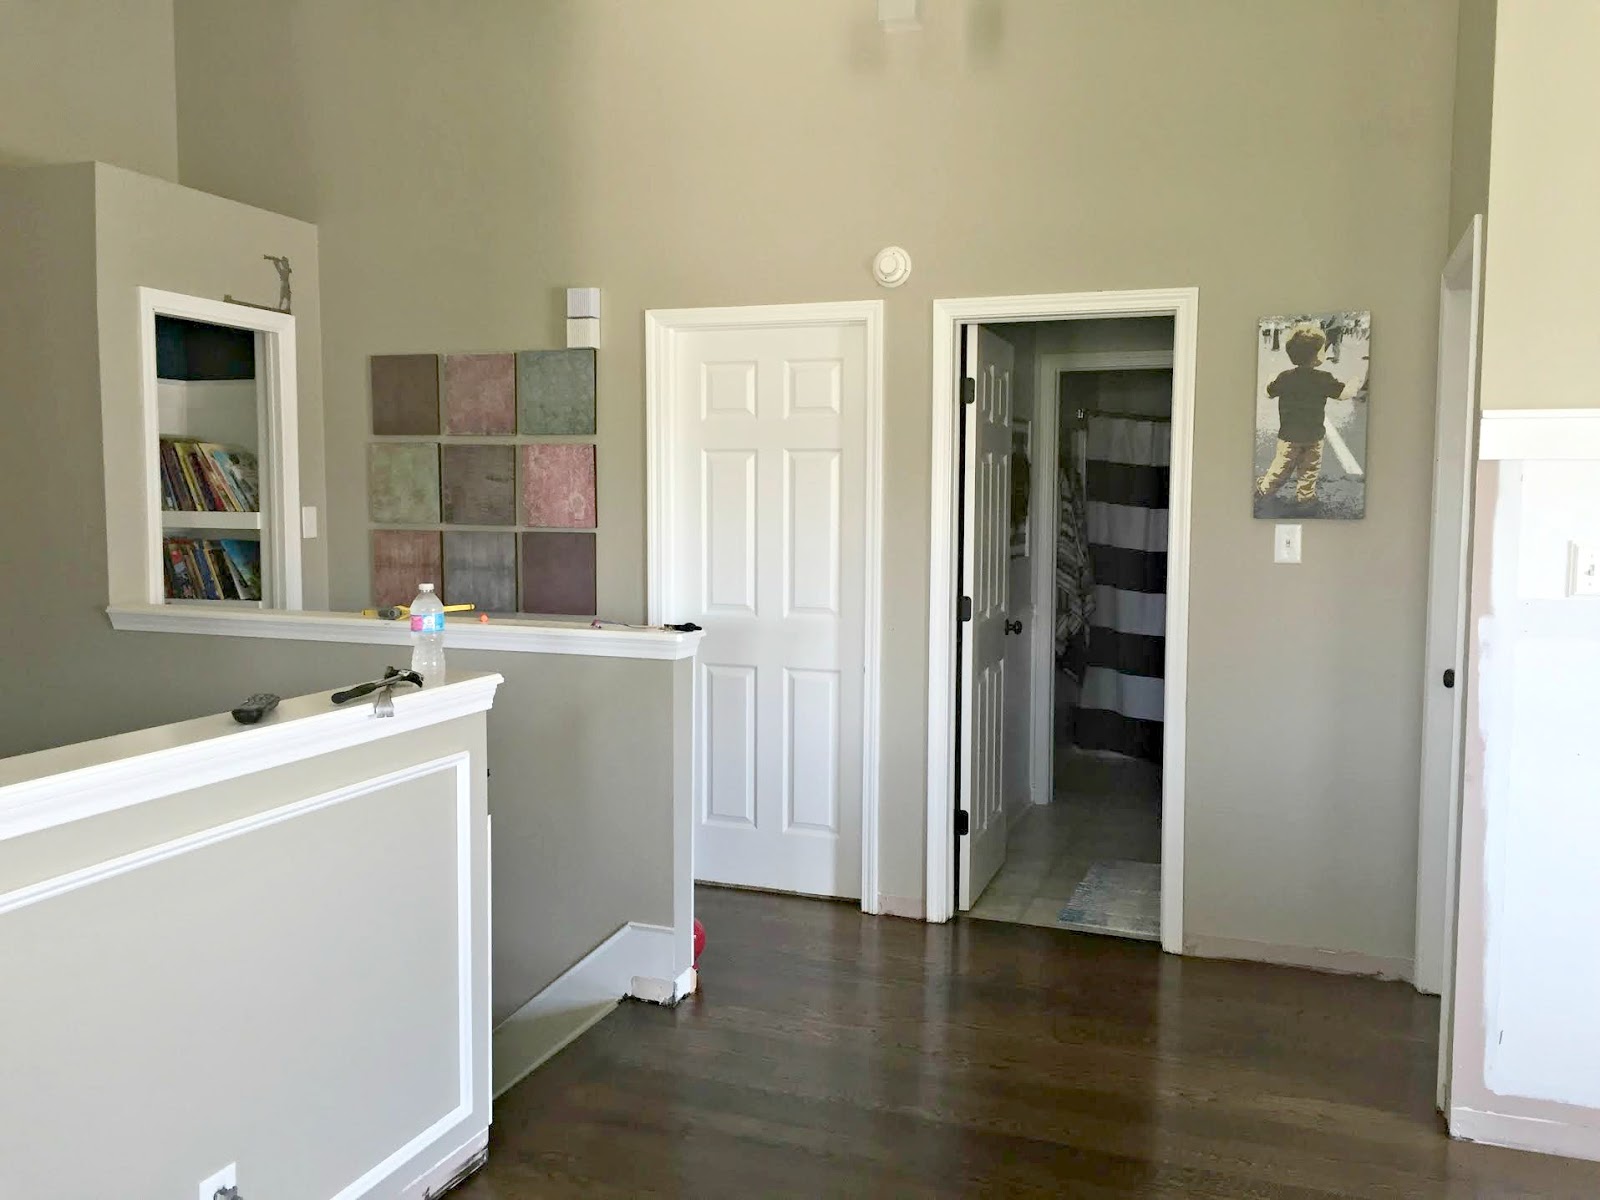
(834, 1054)
(1090, 861)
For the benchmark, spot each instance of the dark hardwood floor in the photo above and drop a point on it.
(831, 1054)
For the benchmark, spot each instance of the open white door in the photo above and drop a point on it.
(1460, 293)
(985, 584)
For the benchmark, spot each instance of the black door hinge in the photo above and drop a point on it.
(1450, 677)
(969, 391)
(963, 823)
(964, 609)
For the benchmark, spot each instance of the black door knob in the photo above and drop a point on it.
(1450, 677)
(1013, 626)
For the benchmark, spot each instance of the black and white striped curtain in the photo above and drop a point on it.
(1127, 466)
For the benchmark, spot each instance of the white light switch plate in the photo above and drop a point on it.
(1584, 579)
(1286, 544)
(308, 522)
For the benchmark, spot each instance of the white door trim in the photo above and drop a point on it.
(1438, 825)
(1182, 304)
(1048, 368)
(661, 329)
(277, 445)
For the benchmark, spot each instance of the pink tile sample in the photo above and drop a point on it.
(401, 559)
(480, 393)
(558, 486)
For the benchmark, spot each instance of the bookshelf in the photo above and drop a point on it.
(218, 398)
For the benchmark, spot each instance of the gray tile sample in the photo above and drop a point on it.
(478, 484)
(405, 395)
(558, 574)
(403, 483)
(481, 569)
(555, 391)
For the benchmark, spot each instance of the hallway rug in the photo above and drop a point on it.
(1118, 897)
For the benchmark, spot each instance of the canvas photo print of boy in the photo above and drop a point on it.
(1311, 416)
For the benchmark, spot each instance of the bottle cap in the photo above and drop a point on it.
(424, 587)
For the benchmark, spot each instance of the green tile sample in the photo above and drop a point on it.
(555, 391)
(403, 483)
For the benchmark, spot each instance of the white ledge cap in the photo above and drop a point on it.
(516, 636)
(69, 783)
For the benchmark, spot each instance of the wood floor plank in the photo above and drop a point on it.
(831, 1054)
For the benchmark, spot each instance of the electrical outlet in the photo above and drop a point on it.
(1286, 544)
(228, 1177)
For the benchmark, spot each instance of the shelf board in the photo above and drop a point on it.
(210, 520)
(213, 603)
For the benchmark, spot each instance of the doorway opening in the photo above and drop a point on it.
(1056, 729)
(1093, 417)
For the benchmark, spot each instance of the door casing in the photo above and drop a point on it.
(1181, 304)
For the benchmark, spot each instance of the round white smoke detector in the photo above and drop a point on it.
(892, 266)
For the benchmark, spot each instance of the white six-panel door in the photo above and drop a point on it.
(986, 571)
(768, 538)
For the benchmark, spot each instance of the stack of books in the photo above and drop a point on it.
(207, 569)
(206, 477)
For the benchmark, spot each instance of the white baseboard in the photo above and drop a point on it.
(450, 1169)
(910, 907)
(1526, 1133)
(1338, 962)
(664, 991)
(634, 961)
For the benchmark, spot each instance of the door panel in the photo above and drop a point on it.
(1456, 414)
(769, 443)
(986, 529)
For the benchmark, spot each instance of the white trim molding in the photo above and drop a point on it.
(1182, 304)
(451, 1170)
(1109, 360)
(661, 327)
(1541, 1135)
(469, 890)
(526, 637)
(635, 961)
(1546, 433)
(69, 783)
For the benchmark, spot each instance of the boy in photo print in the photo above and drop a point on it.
(1302, 408)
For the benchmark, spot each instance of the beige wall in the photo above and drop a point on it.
(85, 79)
(151, 233)
(1474, 102)
(465, 163)
(1541, 314)
(569, 808)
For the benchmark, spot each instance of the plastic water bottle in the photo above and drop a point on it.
(427, 635)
